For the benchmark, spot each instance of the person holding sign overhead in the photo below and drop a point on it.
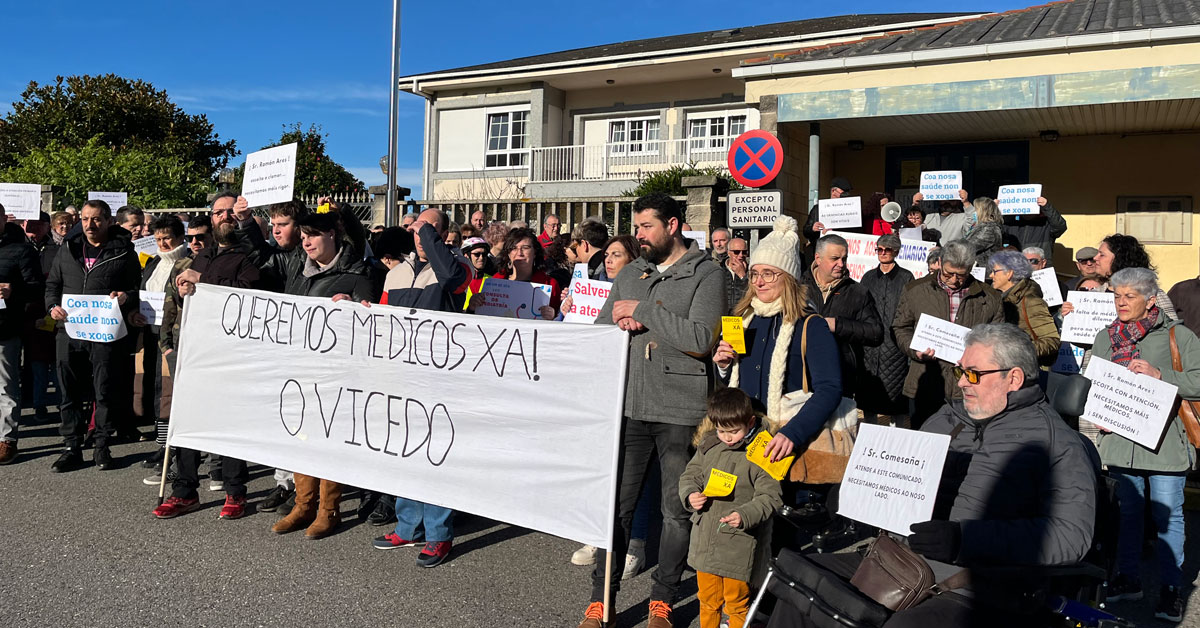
(813, 227)
(1038, 230)
(1142, 339)
(952, 220)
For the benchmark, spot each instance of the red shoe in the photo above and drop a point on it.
(434, 554)
(175, 506)
(234, 508)
(391, 540)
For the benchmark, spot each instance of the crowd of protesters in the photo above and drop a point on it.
(816, 343)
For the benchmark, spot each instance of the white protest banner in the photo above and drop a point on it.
(511, 299)
(93, 317)
(1019, 200)
(270, 175)
(861, 255)
(22, 201)
(1093, 311)
(948, 340)
(753, 208)
(485, 415)
(979, 273)
(150, 304)
(892, 478)
(1048, 281)
(1069, 360)
(840, 213)
(146, 246)
(115, 200)
(1133, 405)
(700, 237)
(587, 299)
(941, 185)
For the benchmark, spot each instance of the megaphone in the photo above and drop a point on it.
(891, 211)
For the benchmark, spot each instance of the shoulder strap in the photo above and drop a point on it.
(960, 580)
(1175, 363)
(804, 352)
(1025, 311)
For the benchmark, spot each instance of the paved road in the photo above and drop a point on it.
(82, 549)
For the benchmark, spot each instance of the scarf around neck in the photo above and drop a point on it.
(777, 369)
(1125, 336)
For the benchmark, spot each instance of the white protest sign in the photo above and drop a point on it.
(753, 208)
(979, 273)
(511, 299)
(21, 200)
(892, 478)
(840, 213)
(941, 185)
(911, 233)
(948, 340)
(587, 298)
(1069, 360)
(580, 271)
(150, 304)
(146, 245)
(270, 175)
(484, 415)
(1019, 200)
(1133, 405)
(861, 255)
(1093, 311)
(93, 317)
(700, 237)
(115, 200)
(1048, 281)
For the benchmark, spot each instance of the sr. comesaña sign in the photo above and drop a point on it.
(753, 208)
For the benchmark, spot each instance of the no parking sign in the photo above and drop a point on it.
(755, 158)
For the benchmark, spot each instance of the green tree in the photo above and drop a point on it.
(316, 172)
(151, 180)
(670, 181)
(121, 113)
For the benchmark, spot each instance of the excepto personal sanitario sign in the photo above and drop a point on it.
(753, 208)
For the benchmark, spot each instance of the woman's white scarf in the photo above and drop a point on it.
(157, 282)
(779, 357)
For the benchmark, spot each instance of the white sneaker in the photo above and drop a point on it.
(635, 559)
(216, 486)
(585, 555)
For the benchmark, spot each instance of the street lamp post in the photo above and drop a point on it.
(393, 118)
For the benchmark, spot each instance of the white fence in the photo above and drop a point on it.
(624, 160)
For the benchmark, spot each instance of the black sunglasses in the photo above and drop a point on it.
(192, 236)
(973, 377)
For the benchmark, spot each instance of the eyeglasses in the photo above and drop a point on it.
(880, 250)
(947, 275)
(974, 376)
(768, 276)
(1034, 260)
(191, 237)
(1087, 262)
(738, 252)
(479, 253)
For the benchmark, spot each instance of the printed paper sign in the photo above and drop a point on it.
(1019, 200)
(979, 273)
(911, 233)
(115, 200)
(892, 478)
(270, 175)
(146, 246)
(1070, 359)
(512, 420)
(948, 340)
(1048, 281)
(22, 201)
(700, 237)
(1133, 405)
(753, 208)
(151, 306)
(720, 483)
(587, 299)
(93, 317)
(756, 453)
(861, 255)
(732, 332)
(1093, 311)
(840, 213)
(511, 299)
(941, 185)
(580, 271)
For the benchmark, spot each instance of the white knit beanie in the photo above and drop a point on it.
(781, 248)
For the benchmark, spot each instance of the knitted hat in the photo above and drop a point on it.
(780, 248)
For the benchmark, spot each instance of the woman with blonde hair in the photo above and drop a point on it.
(987, 236)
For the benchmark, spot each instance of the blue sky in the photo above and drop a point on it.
(252, 67)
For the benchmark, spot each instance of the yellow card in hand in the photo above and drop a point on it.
(720, 483)
(754, 453)
(731, 331)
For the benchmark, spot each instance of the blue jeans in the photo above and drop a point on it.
(412, 514)
(1166, 507)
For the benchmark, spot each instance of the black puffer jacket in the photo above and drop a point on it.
(347, 274)
(21, 269)
(1040, 230)
(1022, 484)
(886, 364)
(116, 270)
(856, 326)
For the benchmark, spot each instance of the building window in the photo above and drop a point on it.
(508, 140)
(634, 136)
(713, 132)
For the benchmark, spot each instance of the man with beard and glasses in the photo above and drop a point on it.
(670, 300)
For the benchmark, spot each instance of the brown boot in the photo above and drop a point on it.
(328, 515)
(305, 509)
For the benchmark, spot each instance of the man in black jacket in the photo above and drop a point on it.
(846, 306)
(98, 261)
(881, 394)
(20, 283)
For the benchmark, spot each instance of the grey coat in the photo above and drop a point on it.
(670, 361)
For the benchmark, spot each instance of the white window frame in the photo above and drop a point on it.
(626, 146)
(707, 142)
(522, 153)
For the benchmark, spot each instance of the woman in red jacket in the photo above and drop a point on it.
(523, 259)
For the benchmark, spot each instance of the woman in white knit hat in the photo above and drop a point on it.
(774, 364)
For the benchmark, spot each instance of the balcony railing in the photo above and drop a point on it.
(624, 160)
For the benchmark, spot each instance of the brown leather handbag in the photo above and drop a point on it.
(1187, 409)
(897, 577)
